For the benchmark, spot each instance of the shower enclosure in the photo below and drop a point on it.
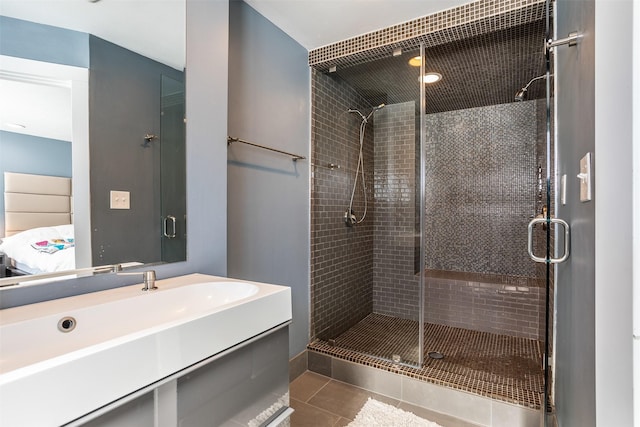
(435, 281)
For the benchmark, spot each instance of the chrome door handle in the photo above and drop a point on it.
(567, 235)
(165, 227)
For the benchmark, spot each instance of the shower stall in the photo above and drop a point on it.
(435, 281)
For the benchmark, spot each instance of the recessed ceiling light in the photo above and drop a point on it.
(415, 61)
(431, 77)
(15, 126)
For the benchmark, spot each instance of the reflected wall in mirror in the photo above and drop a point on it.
(126, 97)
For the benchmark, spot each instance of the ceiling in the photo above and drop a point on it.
(478, 71)
(156, 29)
(316, 23)
(38, 109)
(153, 28)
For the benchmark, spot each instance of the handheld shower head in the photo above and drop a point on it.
(373, 110)
(353, 110)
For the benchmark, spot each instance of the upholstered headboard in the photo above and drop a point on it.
(32, 201)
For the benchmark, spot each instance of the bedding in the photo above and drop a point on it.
(42, 250)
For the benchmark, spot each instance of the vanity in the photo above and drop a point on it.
(199, 350)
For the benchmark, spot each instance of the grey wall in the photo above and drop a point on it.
(124, 105)
(39, 42)
(614, 214)
(207, 72)
(594, 291)
(575, 292)
(32, 154)
(268, 193)
(341, 256)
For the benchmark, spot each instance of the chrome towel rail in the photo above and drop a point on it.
(295, 157)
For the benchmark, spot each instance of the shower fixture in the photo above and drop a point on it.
(350, 218)
(364, 119)
(521, 95)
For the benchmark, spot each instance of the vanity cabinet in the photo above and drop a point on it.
(247, 386)
(244, 388)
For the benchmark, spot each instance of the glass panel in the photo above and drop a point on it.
(173, 171)
(549, 157)
(365, 210)
(485, 161)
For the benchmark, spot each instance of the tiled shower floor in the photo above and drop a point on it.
(497, 366)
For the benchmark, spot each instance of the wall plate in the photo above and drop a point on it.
(119, 200)
(585, 178)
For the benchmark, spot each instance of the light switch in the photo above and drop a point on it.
(119, 200)
(585, 178)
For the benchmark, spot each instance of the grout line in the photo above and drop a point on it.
(318, 391)
(320, 409)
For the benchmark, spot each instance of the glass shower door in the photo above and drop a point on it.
(173, 170)
(366, 267)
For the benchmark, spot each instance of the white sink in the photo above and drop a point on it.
(122, 340)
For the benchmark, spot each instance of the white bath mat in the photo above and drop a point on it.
(378, 414)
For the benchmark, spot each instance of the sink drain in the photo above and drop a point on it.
(67, 324)
(435, 355)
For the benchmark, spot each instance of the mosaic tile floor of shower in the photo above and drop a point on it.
(497, 366)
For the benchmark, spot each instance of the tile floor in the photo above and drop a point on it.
(492, 365)
(320, 401)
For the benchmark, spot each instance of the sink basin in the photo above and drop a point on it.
(62, 359)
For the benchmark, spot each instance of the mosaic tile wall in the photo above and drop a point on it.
(480, 189)
(395, 284)
(501, 304)
(462, 22)
(490, 193)
(341, 256)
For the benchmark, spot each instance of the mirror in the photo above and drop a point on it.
(124, 147)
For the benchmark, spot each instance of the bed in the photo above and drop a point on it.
(38, 216)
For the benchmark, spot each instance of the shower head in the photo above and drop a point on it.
(521, 95)
(374, 109)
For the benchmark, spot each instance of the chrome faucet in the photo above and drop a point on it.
(148, 279)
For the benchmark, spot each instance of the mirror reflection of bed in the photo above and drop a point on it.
(39, 236)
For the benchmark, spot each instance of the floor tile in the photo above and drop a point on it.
(487, 364)
(306, 385)
(310, 416)
(345, 400)
(334, 403)
(436, 417)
